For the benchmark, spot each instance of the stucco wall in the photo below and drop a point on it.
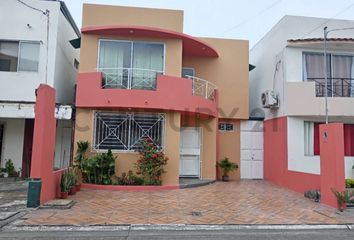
(125, 160)
(229, 72)
(60, 55)
(229, 146)
(65, 72)
(13, 141)
(276, 159)
(100, 15)
(28, 81)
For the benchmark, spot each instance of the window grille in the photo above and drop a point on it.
(124, 131)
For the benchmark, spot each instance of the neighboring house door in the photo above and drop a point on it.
(251, 150)
(190, 152)
(27, 148)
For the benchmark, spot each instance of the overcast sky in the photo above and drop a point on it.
(240, 19)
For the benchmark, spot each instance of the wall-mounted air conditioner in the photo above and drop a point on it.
(270, 99)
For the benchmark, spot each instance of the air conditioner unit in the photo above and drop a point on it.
(270, 99)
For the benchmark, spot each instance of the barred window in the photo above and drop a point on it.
(124, 131)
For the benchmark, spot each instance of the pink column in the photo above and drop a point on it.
(44, 142)
(332, 161)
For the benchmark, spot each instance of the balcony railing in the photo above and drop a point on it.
(129, 78)
(336, 87)
(202, 88)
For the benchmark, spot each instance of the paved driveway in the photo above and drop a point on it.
(242, 202)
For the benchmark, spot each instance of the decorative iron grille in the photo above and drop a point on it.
(124, 131)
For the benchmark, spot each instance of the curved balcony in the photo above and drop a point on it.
(145, 89)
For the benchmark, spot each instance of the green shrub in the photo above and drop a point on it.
(151, 163)
(129, 179)
(80, 155)
(349, 183)
(99, 169)
(10, 169)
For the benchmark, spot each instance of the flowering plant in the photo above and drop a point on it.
(151, 163)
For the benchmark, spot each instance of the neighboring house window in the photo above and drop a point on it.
(309, 138)
(226, 127)
(1, 140)
(340, 73)
(188, 72)
(130, 65)
(124, 131)
(16, 56)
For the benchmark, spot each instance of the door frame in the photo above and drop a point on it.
(200, 160)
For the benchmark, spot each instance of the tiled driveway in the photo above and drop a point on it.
(243, 202)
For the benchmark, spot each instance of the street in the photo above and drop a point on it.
(195, 234)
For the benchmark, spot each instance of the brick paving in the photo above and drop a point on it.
(241, 202)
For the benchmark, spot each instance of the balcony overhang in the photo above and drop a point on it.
(171, 94)
(192, 46)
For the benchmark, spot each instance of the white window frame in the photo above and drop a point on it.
(19, 42)
(309, 138)
(131, 50)
(132, 114)
(190, 68)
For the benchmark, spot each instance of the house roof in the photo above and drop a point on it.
(311, 40)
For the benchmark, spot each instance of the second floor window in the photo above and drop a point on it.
(130, 65)
(19, 56)
(340, 74)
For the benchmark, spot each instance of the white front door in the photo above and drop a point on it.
(252, 150)
(190, 152)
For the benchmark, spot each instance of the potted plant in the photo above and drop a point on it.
(227, 167)
(77, 174)
(341, 199)
(64, 185)
(72, 180)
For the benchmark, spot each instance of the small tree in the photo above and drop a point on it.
(151, 163)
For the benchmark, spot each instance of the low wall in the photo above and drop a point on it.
(276, 159)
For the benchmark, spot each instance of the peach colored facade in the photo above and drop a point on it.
(220, 65)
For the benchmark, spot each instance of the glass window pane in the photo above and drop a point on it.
(114, 62)
(29, 57)
(148, 61)
(313, 70)
(8, 56)
(187, 72)
(343, 67)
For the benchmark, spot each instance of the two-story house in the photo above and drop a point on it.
(141, 77)
(290, 66)
(35, 49)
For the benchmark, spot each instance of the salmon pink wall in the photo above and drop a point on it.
(332, 161)
(44, 143)
(276, 159)
(172, 93)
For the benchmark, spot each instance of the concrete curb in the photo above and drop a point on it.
(173, 227)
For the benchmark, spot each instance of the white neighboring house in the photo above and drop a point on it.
(289, 60)
(31, 55)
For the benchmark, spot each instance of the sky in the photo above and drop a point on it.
(237, 19)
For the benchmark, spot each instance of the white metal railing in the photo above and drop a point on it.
(129, 78)
(202, 88)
